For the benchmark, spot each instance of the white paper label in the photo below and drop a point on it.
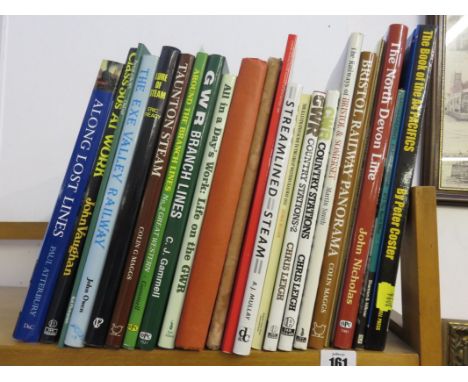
(334, 357)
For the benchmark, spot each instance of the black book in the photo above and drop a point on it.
(415, 81)
(59, 303)
(131, 198)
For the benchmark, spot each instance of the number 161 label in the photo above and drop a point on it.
(334, 357)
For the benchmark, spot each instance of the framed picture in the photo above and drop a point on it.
(445, 162)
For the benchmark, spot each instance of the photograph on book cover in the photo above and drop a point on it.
(446, 144)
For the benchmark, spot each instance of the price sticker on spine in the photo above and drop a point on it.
(335, 357)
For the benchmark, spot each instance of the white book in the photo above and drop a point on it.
(267, 223)
(287, 253)
(308, 224)
(328, 193)
(197, 213)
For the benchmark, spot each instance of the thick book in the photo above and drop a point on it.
(59, 303)
(267, 223)
(318, 338)
(364, 282)
(415, 81)
(131, 197)
(347, 190)
(220, 211)
(301, 228)
(256, 204)
(167, 194)
(216, 331)
(141, 50)
(59, 232)
(97, 244)
(154, 184)
(281, 252)
(197, 214)
(392, 62)
(309, 220)
(181, 203)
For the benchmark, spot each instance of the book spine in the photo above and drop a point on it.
(181, 203)
(221, 208)
(107, 213)
(218, 320)
(59, 302)
(141, 233)
(62, 224)
(361, 287)
(92, 226)
(305, 226)
(378, 143)
(197, 213)
(342, 215)
(419, 68)
(245, 256)
(267, 223)
(281, 254)
(131, 198)
(309, 220)
(330, 185)
(162, 213)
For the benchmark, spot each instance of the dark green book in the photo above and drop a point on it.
(179, 212)
(162, 213)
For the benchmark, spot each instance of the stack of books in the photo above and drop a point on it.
(202, 209)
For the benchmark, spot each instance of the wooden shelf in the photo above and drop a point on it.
(420, 324)
(16, 353)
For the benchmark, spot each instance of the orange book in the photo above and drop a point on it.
(222, 205)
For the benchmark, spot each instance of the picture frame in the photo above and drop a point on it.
(445, 154)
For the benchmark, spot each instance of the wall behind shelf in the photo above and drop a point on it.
(47, 69)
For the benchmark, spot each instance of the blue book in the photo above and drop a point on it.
(415, 82)
(100, 239)
(62, 223)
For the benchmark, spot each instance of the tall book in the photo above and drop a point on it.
(58, 305)
(181, 203)
(256, 206)
(282, 248)
(62, 224)
(197, 214)
(97, 244)
(392, 62)
(418, 66)
(162, 213)
(268, 221)
(216, 331)
(149, 204)
(309, 220)
(220, 211)
(342, 214)
(301, 228)
(141, 50)
(131, 198)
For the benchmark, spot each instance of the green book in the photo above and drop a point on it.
(136, 60)
(167, 194)
(180, 208)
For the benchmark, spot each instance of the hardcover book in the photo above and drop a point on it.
(63, 288)
(131, 197)
(62, 224)
(141, 233)
(97, 244)
(221, 208)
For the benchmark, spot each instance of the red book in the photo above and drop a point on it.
(385, 102)
(255, 211)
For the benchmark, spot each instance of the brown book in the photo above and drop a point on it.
(149, 203)
(218, 320)
(222, 205)
(347, 189)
